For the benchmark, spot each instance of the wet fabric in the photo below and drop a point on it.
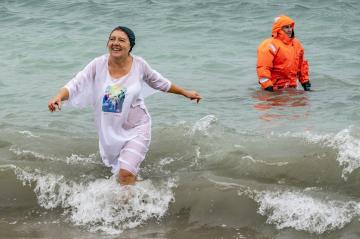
(121, 117)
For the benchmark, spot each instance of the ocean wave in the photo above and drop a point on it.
(23, 153)
(6, 167)
(294, 209)
(73, 159)
(347, 145)
(311, 209)
(203, 125)
(101, 205)
(28, 134)
(251, 159)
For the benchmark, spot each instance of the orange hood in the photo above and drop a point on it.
(279, 22)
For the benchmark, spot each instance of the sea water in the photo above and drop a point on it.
(242, 163)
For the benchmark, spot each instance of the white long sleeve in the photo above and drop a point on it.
(118, 104)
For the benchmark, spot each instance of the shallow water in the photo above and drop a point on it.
(241, 164)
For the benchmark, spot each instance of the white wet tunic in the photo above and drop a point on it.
(121, 117)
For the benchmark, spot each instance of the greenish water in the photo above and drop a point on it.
(241, 164)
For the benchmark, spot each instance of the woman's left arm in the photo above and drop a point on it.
(192, 95)
(155, 80)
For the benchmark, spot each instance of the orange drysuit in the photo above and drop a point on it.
(281, 58)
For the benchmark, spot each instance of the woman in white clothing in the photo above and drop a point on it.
(115, 86)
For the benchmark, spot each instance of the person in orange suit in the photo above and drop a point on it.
(280, 59)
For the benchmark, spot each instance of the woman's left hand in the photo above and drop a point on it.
(193, 95)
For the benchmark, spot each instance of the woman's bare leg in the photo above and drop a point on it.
(126, 177)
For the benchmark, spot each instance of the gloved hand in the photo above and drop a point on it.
(269, 88)
(306, 86)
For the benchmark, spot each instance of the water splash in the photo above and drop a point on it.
(347, 145)
(101, 205)
(203, 125)
(306, 210)
(302, 212)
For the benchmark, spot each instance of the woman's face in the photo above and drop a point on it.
(287, 29)
(118, 44)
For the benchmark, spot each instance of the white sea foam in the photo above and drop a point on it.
(108, 207)
(166, 161)
(101, 205)
(6, 167)
(73, 159)
(28, 153)
(203, 125)
(28, 134)
(303, 212)
(348, 148)
(250, 158)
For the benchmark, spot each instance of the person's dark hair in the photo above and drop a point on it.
(128, 32)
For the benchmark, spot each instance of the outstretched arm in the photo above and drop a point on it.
(158, 82)
(192, 95)
(63, 94)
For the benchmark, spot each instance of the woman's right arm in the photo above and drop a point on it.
(62, 95)
(79, 90)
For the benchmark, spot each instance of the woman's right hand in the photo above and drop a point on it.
(54, 103)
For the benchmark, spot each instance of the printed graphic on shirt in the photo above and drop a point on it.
(113, 99)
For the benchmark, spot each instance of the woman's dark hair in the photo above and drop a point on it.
(128, 32)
